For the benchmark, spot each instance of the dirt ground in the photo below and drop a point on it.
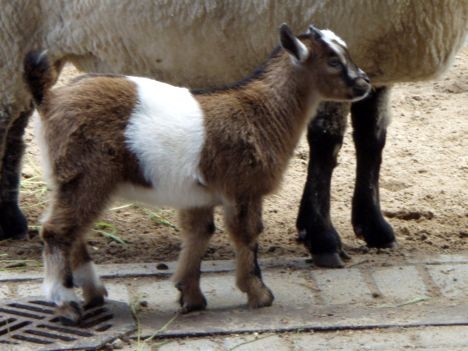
(424, 194)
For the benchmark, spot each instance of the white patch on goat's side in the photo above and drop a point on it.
(85, 275)
(166, 133)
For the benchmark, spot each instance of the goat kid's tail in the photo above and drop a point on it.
(39, 74)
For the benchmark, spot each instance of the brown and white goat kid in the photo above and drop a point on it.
(149, 141)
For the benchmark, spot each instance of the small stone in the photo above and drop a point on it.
(162, 266)
(118, 344)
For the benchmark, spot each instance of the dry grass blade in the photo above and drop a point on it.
(108, 230)
(159, 218)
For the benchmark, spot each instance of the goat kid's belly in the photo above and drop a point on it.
(178, 196)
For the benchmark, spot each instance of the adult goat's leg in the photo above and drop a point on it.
(244, 222)
(370, 120)
(316, 231)
(197, 228)
(13, 223)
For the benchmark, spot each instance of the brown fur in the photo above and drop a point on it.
(84, 124)
(197, 228)
(251, 131)
(250, 135)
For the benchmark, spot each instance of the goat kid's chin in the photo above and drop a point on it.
(360, 89)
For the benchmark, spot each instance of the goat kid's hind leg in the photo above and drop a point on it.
(244, 222)
(58, 235)
(75, 205)
(85, 276)
(370, 119)
(197, 229)
(314, 225)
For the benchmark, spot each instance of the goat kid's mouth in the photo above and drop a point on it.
(359, 91)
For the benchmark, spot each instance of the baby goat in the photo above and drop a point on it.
(149, 141)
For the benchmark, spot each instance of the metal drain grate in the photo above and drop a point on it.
(31, 324)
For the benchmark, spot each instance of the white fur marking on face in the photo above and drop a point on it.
(335, 43)
(166, 133)
(329, 36)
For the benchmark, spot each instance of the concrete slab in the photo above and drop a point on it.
(400, 283)
(343, 286)
(393, 339)
(282, 318)
(419, 293)
(268, 342)
(451, 279)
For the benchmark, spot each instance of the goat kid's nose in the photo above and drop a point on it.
(364, 76)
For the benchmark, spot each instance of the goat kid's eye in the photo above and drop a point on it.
(335, 63)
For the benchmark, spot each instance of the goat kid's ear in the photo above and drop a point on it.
(292, 45)
(315, 32)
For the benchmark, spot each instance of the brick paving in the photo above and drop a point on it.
(421, 305)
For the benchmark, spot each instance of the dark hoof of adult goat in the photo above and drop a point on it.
(331, 260)
(13, 223)
(378, 234)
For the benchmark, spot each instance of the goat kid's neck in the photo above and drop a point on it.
(289, 99)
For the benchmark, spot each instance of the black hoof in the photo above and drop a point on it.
(332, 260)
(13, 224)
(189, 303)
(377, 233)
(69, 314)
(186, 307)
(324, 246)
(94, 302)
(391, 245)
(263, 299)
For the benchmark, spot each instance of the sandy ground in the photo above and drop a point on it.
(424, 194)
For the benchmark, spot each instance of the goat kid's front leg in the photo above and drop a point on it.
(370, 119)
(244, 222)
(197, 229)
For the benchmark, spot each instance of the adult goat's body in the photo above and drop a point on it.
(394, 41)
(105, 135)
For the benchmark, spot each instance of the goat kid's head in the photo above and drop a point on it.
(324, 59)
